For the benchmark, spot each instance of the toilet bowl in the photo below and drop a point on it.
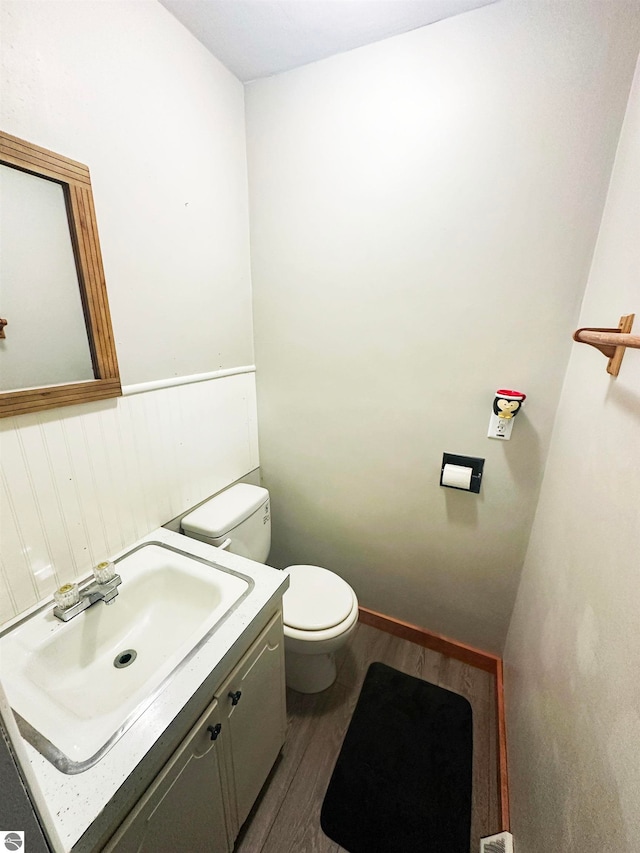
(320, 613)
(320, 609)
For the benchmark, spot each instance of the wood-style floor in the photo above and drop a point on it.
(286, 817)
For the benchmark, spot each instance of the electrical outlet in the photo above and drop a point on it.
(500, 427)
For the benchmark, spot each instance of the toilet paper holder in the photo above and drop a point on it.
(475, 463)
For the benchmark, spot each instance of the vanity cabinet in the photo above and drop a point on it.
(184, 807)
(205, 791)
(254, 721)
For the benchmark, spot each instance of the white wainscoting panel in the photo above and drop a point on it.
(80, 483)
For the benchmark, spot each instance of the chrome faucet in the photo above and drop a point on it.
(71, 600)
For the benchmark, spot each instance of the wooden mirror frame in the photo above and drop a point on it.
(76, 184)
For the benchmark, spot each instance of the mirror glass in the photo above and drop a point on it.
(46, 337)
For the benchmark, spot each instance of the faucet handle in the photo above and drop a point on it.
(67, 596)
(104, 572)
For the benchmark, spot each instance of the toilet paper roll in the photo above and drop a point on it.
(457, 475)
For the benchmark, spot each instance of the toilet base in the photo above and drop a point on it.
(309, 673)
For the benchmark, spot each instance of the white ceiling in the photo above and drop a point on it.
(259, 38)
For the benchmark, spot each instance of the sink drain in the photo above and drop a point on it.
(125, 658)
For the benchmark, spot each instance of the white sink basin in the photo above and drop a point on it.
(66, 681)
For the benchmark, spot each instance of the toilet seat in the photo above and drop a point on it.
(316, 600)
(308, 640)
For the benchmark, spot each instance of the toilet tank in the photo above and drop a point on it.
(240, 514)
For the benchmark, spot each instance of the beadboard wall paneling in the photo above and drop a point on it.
(82, 483)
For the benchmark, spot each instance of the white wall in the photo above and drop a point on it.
(423, 213)
(124, 88)
(127, 90)
(573, 649)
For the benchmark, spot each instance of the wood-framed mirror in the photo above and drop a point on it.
(35, 336)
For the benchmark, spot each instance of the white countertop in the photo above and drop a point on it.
(74, 801)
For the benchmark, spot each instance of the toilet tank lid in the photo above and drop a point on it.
(222, 513)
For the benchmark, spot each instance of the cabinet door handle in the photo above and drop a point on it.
(235, 697)
(215, 730)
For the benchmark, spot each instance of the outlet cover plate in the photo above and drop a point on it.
(500, 843)
(500, 427)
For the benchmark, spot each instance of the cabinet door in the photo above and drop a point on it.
(253, 698)
(183, 808)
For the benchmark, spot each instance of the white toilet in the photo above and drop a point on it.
(320, 609)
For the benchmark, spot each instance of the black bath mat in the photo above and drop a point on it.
(402, 781)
